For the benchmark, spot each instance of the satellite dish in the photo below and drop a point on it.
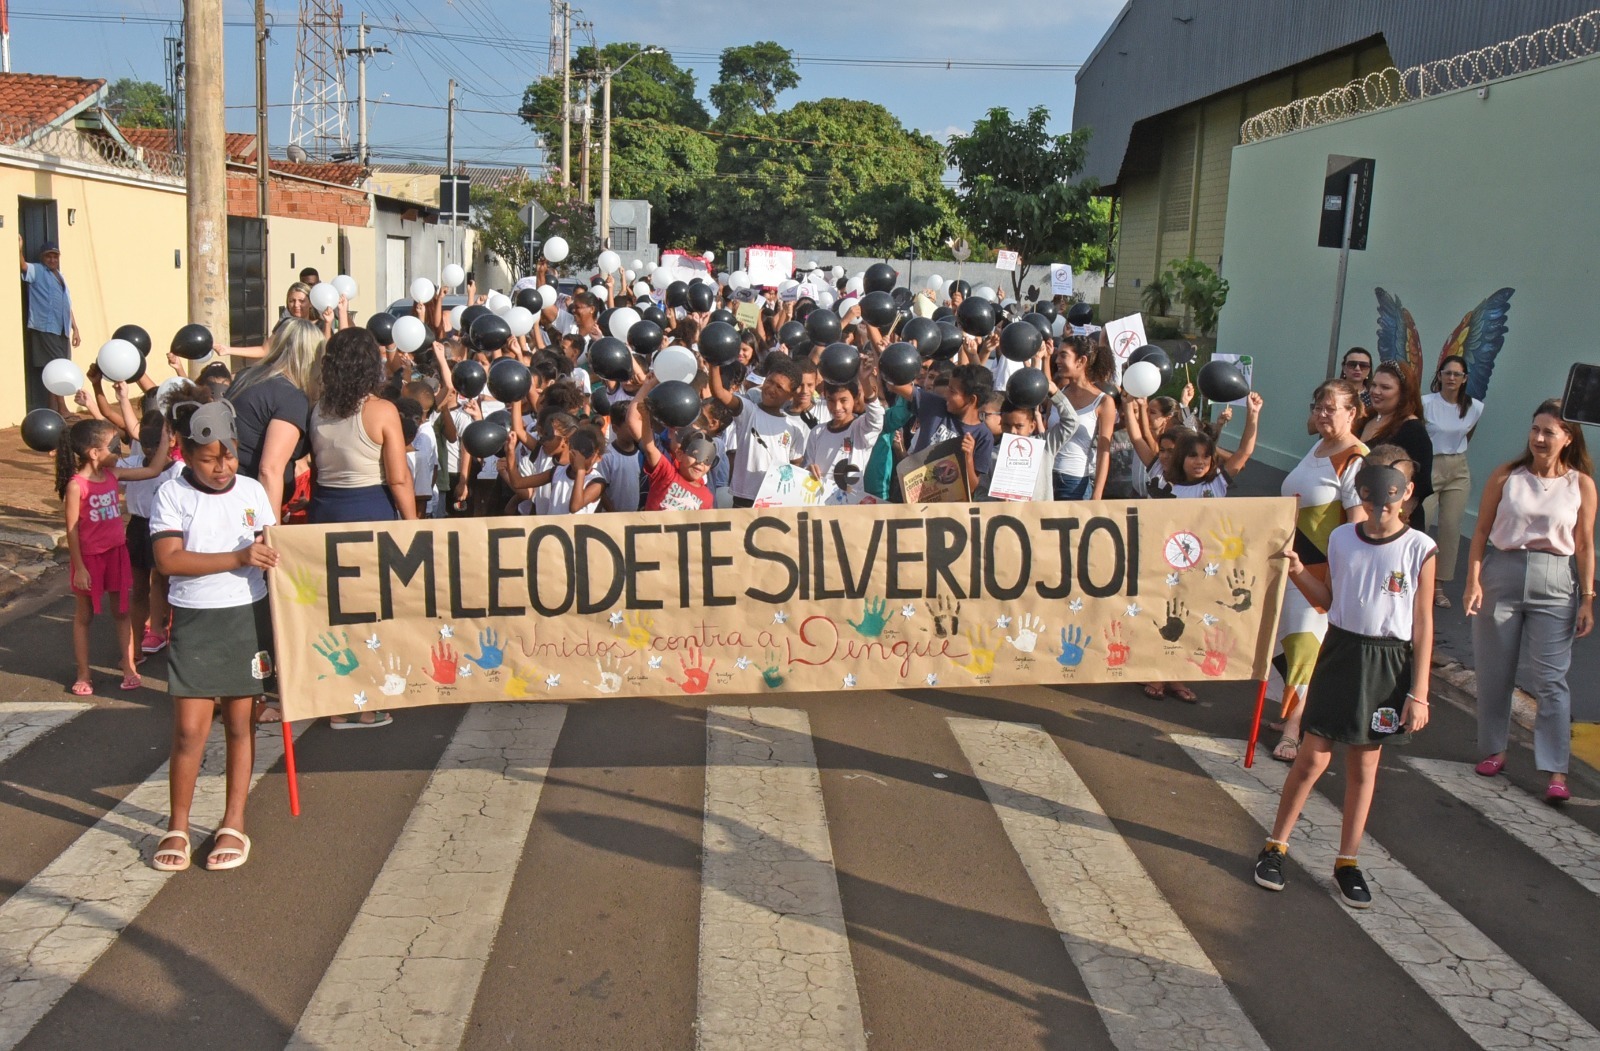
(622, 213)
(297, 154)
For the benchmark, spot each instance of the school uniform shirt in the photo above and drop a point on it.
(671, 491)
(452, 450)
(555, 496)
(623, 472)
(1374, 582)
(826, 446)
(211, 522)
(1446, 426)
(424, 458)
(760, 440)
(141, 495)
(1217, 487)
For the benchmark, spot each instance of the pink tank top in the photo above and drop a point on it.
(1537, 514)
(99, 516)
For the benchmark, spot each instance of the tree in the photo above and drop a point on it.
(139, 104)
(502, 231)
(1016, 189)
(749, 78)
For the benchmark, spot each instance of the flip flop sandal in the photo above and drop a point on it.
(1441, 600)
(82, 688)
(240, 854)
(1178, 691)
(378, 719)
(1289, 745)
(132, 682)
(270, 714)
(1154, 692)
(171, 852)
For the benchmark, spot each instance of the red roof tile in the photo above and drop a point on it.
(241, 146)
(340, 174)
(29, 101)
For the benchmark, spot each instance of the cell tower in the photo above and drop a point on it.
(317, 122)
(559, 12)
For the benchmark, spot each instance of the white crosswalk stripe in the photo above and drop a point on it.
(23, 722)
(774, 961)
(1496, 1001)
(1563, 842)
(59, 923)
(1153, 984)
(407, 971)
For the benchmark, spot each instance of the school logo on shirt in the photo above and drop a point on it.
(250, 517)
(1397, 584)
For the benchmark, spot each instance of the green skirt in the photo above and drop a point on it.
(220, 652)
(1358, 690)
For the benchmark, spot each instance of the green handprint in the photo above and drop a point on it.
(338, 652)
(873, 619)
(771, 674)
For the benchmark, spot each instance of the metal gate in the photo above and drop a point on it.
(247, 281)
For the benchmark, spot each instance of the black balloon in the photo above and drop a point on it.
(960, 288)
(674, 403)
(719, 343)
(949, 341)
(138, 373)
(942, 312)
(880, 277)
(723, 315)
(1020, 341)
(1221, 381)
(610, 359)
(878, 309)
(135, 335)
(902, 297)
(603, 319)
(702, 297)
(490, 332)
(528, 299)
(802, 350)
(823, 326)
(1080, 314)
(1027, 388)
(1040, 322)
(43, 429)
(655, 314)
(645, 337)
(382, 328)
(803, 309)
(924, 334)
(899, 364)
(500, 418)
(976, 316)
(1048, 309)
(791, 333)
(484, 438)
(471, 314)
(1155, 356)
(840, 363)
(192, 342)
(468, 378)
(677, 294)
(509, 380)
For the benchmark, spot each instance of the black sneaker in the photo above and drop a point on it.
(1353, 887)
(1269, 869)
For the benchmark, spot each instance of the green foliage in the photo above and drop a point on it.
(139, 104)
(750, 78)
(1096, 255)
(501, 231)
(1016, 188)
(1159, 295)
(1201, 290)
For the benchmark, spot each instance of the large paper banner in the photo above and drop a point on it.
(400, 614)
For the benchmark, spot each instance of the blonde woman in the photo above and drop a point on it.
(273, 402)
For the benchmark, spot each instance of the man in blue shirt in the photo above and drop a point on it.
(52, 329)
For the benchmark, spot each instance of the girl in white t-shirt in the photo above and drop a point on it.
(205, 533)
(1452, 417)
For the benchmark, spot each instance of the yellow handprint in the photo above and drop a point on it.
(641, 630)
(306, 591)
(519, 685)
(1230, 540)
(982, 643)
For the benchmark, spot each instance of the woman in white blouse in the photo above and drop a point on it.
(1451, 415)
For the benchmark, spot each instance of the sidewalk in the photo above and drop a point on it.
(32, 531)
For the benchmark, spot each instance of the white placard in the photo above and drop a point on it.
(786, 485)
(1126, 335)
(1007, 260)
(1060, 279)
(768, 264)
(1017, 463)
(1246, 365)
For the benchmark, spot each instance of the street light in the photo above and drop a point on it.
(605, 141)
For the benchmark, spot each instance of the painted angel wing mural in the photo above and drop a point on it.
(1479, 339)
(1397, 333)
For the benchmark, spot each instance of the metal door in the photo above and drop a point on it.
(247, 281)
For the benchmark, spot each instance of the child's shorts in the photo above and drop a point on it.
(220, 652)
(140, 554)
(109, 572)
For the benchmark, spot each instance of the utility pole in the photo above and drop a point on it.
(586, 113)
(450, 161)
(207, 198)
(605, 158)
(261, 110)
(5, 37)
(566, 94)
(362, 53)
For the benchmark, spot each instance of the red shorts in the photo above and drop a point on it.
(109, 571)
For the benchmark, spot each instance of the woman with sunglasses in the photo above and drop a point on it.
(1452, 416)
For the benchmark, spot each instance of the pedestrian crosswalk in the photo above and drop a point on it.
(778, 954)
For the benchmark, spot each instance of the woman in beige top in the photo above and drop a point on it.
(1530, 590)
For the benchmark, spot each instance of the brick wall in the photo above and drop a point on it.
(297, 199)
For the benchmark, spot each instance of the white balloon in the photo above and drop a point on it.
(641, 289)
(722, 279)
(674, 363)
(601, 294)
(651, 269)
(119, 360)
(409, 331)
(452, 275)
(710, 257)
(934, 283)
(499, 304)
(661, 278)
(985, 292)
(1059, 325)
(738, 280)
(856, 284)
(811, 265)
(622, 319)
(520, 319)
(547, 295)
(636, 265)
(422, 291)
(556, 249)
(847, 305)
(835, 272)
(786, 284)
(324, 297)
(1141, 379)
(825, 298)
(347, 286)
(628, 276)
(168, 390)
(63, 378)
(608, 262)
(455, 316)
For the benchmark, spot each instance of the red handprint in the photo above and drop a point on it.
(444, 665)
(1116, 649)
(1219, 644)
(695, 678)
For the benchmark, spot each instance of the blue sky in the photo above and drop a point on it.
(495, 47)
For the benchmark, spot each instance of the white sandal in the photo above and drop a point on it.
(171, 852)
(213, 865)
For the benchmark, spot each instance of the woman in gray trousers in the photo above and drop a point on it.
(1536, 520)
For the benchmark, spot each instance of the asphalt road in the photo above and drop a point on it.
(896, 870)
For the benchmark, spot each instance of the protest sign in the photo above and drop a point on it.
(401, 614)
(682, 266)
(1018, 459)
(1060, 279)
(747, 314)
(1246, 366)
(1126, 335)
(768, 264)
(786, 485)
(1006, 260)
(934, 475)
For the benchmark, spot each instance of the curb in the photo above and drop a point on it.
(1460, 687)
(36, 539)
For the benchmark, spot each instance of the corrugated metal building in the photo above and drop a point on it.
(1167, 88)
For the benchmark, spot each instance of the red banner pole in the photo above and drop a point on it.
(1255, 726)
(294, 782)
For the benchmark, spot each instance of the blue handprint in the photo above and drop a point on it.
(1072, 644)
(872, 619)
(493, 647)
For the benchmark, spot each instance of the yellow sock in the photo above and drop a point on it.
(1281, 848)
(1345, 861)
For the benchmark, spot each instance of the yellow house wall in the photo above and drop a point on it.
(117, 258)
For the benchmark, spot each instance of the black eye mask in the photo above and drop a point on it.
(1381, 486)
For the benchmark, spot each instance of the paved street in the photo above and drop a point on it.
(930, 869)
